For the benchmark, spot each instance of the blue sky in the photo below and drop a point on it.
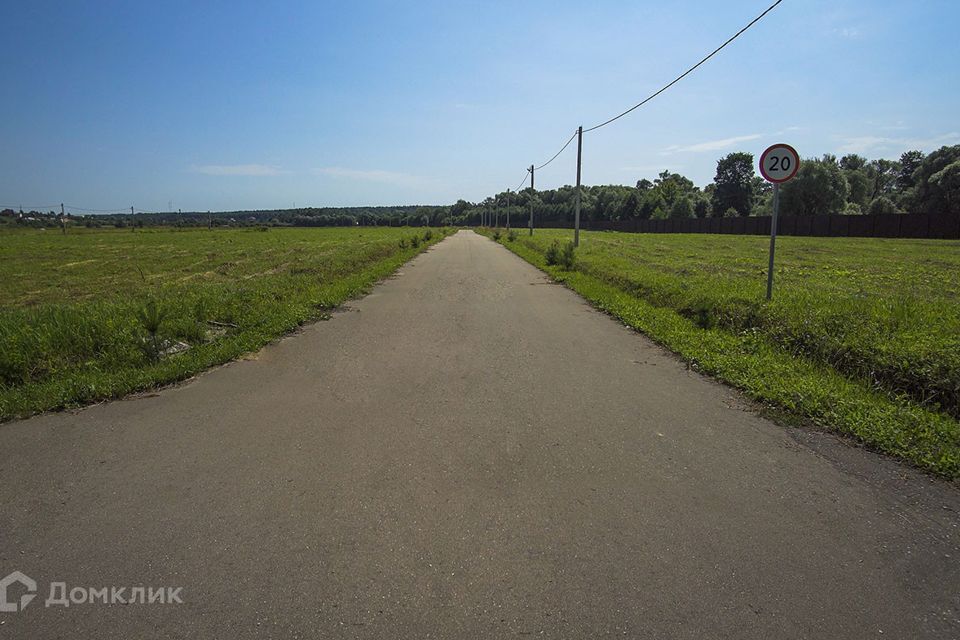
(202, 105)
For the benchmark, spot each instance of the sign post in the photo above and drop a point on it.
(778, 164)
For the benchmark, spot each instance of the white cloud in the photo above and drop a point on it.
(848, 32)
(236, 170)
(710, 145)
(862, 144)
(866, 144)
(374, 175)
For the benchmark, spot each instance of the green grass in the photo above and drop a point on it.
(75, 309)
(862, 336)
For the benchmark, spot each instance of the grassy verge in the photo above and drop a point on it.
(693, 296)
(72, 329)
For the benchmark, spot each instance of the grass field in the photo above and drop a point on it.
(77, 310)
(862, 336)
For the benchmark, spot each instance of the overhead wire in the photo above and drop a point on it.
(70, 206)
(557, 154)
(31, 207)
(688, 71)
(659, 91)
(566, 144)
(524, 181)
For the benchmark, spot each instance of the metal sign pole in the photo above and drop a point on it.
(773, 237)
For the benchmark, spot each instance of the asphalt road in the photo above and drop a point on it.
(470, 451)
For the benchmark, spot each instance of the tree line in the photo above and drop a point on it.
(852, 184)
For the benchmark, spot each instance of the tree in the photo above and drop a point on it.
(701, 208)
(909, 162)
(937, 183)
(630, 207)
(948, 179)
(671, 186)
(682, 208)
(818, 188)
(859, 184)
(734, 182)
(650, 204)
(853, 162)
(882, 205)
(460, 208)
(762, 197)
(883, 174)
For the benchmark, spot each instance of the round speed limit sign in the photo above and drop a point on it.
(779, 163)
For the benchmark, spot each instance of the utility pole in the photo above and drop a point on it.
(63, 219)
(508, 209)
(532, 169)
(576, 215)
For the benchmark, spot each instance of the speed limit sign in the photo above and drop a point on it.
(779, 163)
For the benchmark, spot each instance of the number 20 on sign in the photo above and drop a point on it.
(778, 164)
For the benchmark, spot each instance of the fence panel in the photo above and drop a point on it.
(893, 225)
(888, 225)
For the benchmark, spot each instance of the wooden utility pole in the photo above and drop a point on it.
(63, 219)
(576, 215)
(508, 209)
(532, 169)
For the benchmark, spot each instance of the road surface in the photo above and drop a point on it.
(469, 451)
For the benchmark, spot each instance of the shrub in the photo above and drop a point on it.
(151, 317)
(427, 235)
(553, 253)
(415, 241)
(566, 256)
(496, 235)
(403, 243)
(561, 255)
(512, 235)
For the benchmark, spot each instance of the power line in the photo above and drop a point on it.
(559, 152)
(30, 207)
(688, 71)
(70, 206)
(66, 206)
(523, 182)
